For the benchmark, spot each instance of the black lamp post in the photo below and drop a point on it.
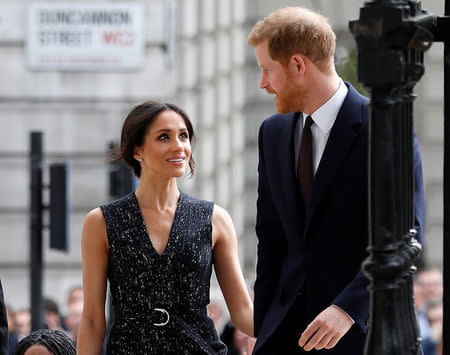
(392, 36)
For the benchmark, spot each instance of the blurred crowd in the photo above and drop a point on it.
(19, 321)
(428, 291)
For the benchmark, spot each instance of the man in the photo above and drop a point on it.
(22, 323)
(432, 343)
(312, 208)
(431, 281)
(3, 325)
(428, 285)
(52, 317)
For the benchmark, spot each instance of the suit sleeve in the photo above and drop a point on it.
(3, 325)
(355, 299)
(270, 243)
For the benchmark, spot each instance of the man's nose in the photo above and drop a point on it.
(262, 81)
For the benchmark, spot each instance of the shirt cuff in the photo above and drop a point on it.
(333, 305)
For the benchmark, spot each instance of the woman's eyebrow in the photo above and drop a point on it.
(170, 130)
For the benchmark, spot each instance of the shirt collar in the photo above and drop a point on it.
(326, 114)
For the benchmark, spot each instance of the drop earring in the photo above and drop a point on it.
(139, 159)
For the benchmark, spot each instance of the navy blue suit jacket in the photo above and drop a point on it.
(3, 325)
(324, 248)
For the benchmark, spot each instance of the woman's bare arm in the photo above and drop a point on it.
(229, 273)
(94, 250)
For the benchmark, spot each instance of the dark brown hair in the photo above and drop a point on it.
(136, 126)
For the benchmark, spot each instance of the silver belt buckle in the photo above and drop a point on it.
(162, 310)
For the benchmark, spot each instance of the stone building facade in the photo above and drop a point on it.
(212, 74)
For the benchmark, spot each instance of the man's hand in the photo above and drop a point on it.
(326, 329)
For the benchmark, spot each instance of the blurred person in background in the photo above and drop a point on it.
(430, 280)
(74, 309)
(432, 344)
(428, 285)
(3, 324)
(12, 336)
(157, 246)
(236, 341)
(75, 295)
(22, 323)
(419, 300)
(52, 317)
(46, 342)
(73, 318)
(215, 312)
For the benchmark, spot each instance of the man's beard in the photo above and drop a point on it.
(290, 99)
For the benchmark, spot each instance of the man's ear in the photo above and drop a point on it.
(299, 64)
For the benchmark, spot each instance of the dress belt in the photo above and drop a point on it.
(159, 317)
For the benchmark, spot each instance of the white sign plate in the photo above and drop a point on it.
(106, 36)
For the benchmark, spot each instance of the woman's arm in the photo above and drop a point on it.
(229, 273)
(94, 250)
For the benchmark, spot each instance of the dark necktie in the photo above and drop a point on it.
(305, 167)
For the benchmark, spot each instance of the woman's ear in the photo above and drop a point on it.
(137, 153)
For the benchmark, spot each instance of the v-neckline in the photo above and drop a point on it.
(145, 230)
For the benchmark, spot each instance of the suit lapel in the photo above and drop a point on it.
(342, 135)
(285, 180)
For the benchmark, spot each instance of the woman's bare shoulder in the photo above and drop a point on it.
(94, 228)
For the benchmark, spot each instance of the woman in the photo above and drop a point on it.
(156, 246)
(46, 342)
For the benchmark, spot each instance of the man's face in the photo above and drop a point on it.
(23, 323)
(431, 283)
(435, 316)
(279, 80)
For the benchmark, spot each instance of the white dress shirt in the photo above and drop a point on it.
(324, 118)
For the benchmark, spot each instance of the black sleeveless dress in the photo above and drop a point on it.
(160, 300)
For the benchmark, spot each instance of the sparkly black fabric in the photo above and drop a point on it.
(177, 281)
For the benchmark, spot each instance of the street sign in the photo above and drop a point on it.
(78, 37)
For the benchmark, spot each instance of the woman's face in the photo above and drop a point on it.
(166, 149)
(37, 349)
